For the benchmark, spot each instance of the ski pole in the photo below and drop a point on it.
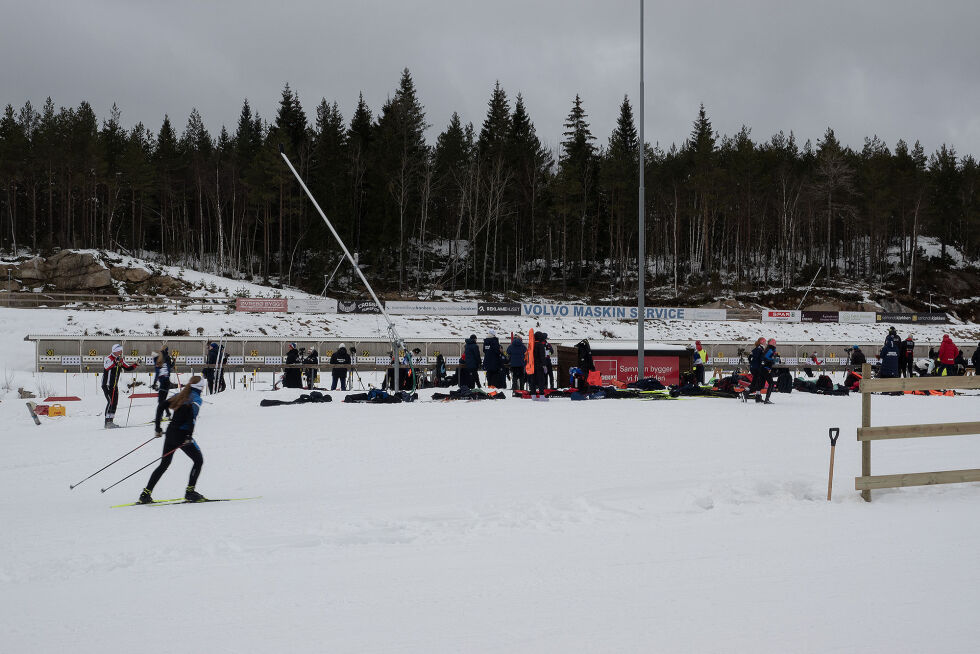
(834, 433)
(144, 467)
(72, 486)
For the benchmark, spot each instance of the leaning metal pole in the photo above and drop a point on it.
(641, 258)
(396, 341)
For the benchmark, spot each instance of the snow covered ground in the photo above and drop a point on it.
(696, 525)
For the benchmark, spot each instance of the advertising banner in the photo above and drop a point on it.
(312, 305)
(261, 304)
(618, 313)
(781, 316)
(899, 317)
(498, 309)
(357, 306)
(623, 368)
(857, 317)
(705, 314)
(906, 317)
(820, 316)
(418, 308)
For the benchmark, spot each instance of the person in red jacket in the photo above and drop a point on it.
(947, 356)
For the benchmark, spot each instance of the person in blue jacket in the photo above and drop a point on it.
(180, 436)
(471, 364)
(517, 359)
(769, 357)
(889, 358)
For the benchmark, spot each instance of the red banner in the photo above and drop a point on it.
(622, 367)
(261, 304)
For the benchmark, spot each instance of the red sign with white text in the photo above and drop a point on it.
(667, 370)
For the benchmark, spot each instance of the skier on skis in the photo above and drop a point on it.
(113, 365)
(180, 435)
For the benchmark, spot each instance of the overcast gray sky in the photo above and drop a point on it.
(896, 69)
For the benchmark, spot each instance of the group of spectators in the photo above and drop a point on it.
(500, 364)
(897, 358)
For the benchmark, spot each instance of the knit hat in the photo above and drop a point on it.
(116, 348)
(772, 341)
(492, 333)
(342, 346)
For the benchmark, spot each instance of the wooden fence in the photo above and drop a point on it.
(866, 433)
(98, 302)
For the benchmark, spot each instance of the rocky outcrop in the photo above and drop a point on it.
(75, 271)
(131, 275)
(70, 271)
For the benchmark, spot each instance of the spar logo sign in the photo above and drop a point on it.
(781, 316)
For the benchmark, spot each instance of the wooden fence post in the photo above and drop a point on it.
(865, 422)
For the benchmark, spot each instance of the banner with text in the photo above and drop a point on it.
(357, 306)
(312, 305)
(820, 316)
(419, 308)
(498, 309)
(857, 317)
(781, 316)
(908, 317)
(620, 313)
(261, 304)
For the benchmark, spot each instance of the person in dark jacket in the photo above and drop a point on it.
(493, 361)
(755, 365)
(163, 365)
(471, 364)
(341, 359)
(180, 436)
(312, 358)
(889, 359)
(975, 360)
(857, 358)
(439, 371)
(292, 377)
(906, 356)
(112, 367)
(517, 358)
(210, 363)
(537, 382)
(585, 362)
(769, 357)
(549, 370)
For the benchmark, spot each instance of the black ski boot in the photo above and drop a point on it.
(145, 497)
(192, 495)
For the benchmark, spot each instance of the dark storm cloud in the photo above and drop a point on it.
(895, 69)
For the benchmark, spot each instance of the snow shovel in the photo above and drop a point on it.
(834, 433)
